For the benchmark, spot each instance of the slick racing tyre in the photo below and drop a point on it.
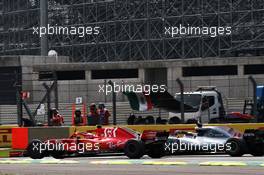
(235, 147)
(34, 151)
(57, 154)
(156, 151)
(257, 150)
(134, 149)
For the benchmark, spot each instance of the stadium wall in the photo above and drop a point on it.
(229, 75)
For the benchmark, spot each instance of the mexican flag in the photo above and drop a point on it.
(139, 101)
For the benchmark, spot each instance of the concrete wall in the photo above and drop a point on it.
(29, 78)
(236, 86)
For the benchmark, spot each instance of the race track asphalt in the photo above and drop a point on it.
(120, 165)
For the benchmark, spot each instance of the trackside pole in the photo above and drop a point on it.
(84, 114)
(73, 113)
(182, 99)
(18, 100)
(114, 102)
(44, 23)
(56, 93)
(19, 106)
(254, 85)
(48, 89)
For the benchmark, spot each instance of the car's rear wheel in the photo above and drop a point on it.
(57, 154)
(257, 150)
(34, 150)
(235, 147)
(134, 149)
(156, 150)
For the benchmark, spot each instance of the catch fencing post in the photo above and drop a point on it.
(254, 85)
(114, 101)
(105, 98)
(56, 95)
(44, 23)
(48, 102)
(182, 98)
(19, 105)
(18, 86)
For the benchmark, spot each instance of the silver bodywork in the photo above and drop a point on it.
(205, 139)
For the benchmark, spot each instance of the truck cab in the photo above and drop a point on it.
(206, 103)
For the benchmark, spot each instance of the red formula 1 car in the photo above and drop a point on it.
(102, 140)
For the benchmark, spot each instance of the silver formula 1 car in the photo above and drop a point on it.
(205, 139)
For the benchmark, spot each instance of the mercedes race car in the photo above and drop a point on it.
(205, 139)
(216, 139)
(252, 142)
(101, 140)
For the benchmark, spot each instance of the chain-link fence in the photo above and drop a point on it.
(234, 91)
(100, 91)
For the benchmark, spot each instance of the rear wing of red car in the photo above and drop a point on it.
(154, 135)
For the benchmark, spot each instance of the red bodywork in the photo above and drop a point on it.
(238, 115)
(110, 139)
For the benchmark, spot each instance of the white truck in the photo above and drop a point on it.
(207, 105)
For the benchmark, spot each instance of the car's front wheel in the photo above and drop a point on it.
(257, 150)
(134, 149)
(156, 151)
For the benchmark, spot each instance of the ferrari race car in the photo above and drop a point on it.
(101, 140)
(207, 139)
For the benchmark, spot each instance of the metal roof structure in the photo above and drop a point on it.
(134, 29)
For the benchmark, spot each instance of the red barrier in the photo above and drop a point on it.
(19, 138)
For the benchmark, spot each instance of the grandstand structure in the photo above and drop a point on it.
(134, 29)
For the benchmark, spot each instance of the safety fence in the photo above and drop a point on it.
(85, 91)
